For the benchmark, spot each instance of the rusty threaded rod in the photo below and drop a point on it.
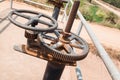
(72, 16)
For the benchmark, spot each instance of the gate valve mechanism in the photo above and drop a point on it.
(65, 48)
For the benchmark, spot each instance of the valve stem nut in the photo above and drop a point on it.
(31, 34)
(64, 37)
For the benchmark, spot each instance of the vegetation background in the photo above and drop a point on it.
(95, 13)
(92, 12)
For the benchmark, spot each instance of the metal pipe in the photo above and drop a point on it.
(11, 4)
(55, 15)
(78, 71)
(53, 71)
(79, 28)
(114, 73)
(56, 12)
(72, 16)
(65, 14)
(79, 75)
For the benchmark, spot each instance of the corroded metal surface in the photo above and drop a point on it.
(72, 16)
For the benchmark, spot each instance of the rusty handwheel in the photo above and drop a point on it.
(40, 18)
(70, 49)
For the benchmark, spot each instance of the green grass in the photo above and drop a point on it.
(93, 14)
(97, 14)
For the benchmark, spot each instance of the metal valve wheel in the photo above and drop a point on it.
(64, 49)
(33, 20)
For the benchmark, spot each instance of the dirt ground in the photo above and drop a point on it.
(17, 66)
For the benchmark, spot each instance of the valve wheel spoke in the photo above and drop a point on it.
(69, 49)
(22, 15)
(46, 23)
(77, 45)
(49, 37)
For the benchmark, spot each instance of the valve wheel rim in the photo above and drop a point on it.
(51, 26)
(67, 57)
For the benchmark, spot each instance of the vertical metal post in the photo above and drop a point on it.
(79, 28)
(79, 75)
(53, 71)
(65, 14)
(56, 12)
(55, 15)
(72, 16)
(11, 4)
